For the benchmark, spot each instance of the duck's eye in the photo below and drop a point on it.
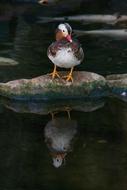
(63, 30)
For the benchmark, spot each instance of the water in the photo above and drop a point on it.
(95, 150)
(60, 145)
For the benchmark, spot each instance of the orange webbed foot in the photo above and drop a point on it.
(54, 73)
(69, 77)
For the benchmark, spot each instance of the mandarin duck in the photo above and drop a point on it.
(65, 52)
(59, 134)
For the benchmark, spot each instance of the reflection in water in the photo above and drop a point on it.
(99, 159)
(59, 133)
(44, 108)
(118, 110)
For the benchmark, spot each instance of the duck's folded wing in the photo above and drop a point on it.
(78, 51)
(52, 49)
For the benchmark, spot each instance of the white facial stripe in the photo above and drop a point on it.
(62, 27)
(57, 162)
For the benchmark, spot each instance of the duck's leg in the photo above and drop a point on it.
(54, 73)
(69, 77)
(53, 114)
(68, 110)
(68, 113)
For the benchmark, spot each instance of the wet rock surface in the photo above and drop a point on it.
(85, 85)
(117, 84)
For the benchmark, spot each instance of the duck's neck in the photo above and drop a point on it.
(63, 40)
(67, 38)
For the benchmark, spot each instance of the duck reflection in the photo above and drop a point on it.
(59, 132)
(59, 135)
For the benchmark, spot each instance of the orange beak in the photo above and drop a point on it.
(61, 155)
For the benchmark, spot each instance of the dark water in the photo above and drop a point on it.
(42, 145)
(94, 140)
(27, 42)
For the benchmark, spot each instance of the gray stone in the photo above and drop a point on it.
(85, 85)
(117, 80)
(117, 84)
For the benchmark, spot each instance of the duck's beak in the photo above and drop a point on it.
(68, 37)
(59, 155)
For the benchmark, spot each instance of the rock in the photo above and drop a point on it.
(7, 62)
(85, 85)
(44, 108)
(117, 84)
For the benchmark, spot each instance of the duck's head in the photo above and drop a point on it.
(64, 31)
(58, 159)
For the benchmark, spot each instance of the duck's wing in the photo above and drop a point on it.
(74, 46)
(77, 50)
(53, 48)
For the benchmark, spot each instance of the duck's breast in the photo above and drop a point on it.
(65, 58)
(65, 54)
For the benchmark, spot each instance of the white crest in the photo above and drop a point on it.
(63, 28)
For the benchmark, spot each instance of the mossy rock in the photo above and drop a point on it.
(85, 85)
(117, 84)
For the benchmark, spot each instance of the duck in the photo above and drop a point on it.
(65, 52)
(59, 134)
